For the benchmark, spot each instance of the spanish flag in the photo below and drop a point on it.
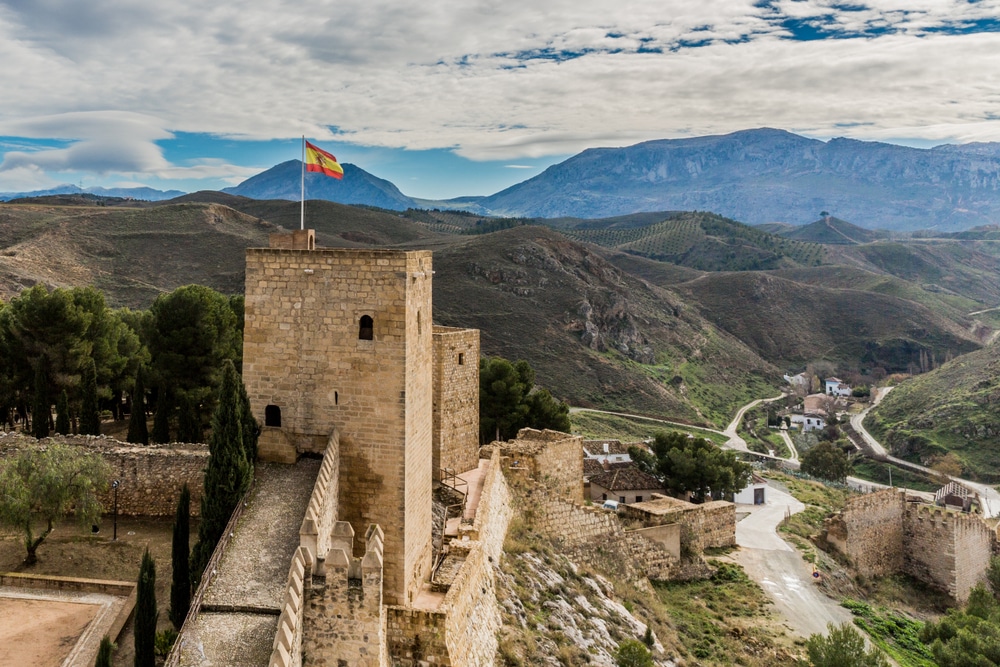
(319, 160)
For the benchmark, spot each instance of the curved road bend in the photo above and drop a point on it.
(735, 441)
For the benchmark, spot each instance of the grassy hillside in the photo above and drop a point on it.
(832, 231)
(951, 409)
(700, 241)
(792, 323)
(601, 336)
(132, 254)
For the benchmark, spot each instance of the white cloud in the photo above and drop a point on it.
(494, 80)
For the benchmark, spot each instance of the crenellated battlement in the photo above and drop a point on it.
(321, 514)
(287, 648)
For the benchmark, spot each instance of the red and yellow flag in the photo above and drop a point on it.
(319, 160)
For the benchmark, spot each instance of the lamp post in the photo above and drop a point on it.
(114, 485)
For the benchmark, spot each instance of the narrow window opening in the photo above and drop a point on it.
(461, 358)
(272, 415)
(418, 322)
(336, 398)
(366, 329)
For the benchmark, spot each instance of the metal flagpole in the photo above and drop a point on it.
(302, 222)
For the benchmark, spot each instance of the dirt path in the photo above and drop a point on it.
(780, 570)
(50, 635)
(735, 441)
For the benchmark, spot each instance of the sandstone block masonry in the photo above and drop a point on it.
(150, 477)
(343, 339)
(552, 458)
(882, 533)
(456, 399)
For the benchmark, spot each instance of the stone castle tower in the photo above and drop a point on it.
(342, 339)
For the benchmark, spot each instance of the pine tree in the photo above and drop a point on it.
(137, 431)
(62, 414)
(104, 653)
(41, 407)
(161, 420)
(180, 586)
(90, 414)
(145, 614)
(228, 474)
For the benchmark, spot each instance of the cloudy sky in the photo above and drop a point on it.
(458, 97)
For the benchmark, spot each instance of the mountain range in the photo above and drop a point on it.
(760, 176)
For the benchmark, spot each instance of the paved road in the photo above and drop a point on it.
(735, 441)
(780, 570)
(791, 445)
(989, 495)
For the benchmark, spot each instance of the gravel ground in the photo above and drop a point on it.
(229, 640)
(254, 569)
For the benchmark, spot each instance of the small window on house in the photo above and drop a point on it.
(461, 358)
(638, 499)
(621, 499)
(604, 496)
(366, 328)
(272, 416)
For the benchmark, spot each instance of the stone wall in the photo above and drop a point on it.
(946, 549)
(416, 637)
(552, 458)
(287, 649)
(321, 513)
(150, 477)
(705, 526)
(310, 364)
(456, 399)
(869, 531)
(344, 619)
(881, 533)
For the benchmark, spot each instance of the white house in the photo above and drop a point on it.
(810, 421)
(837, 387)
(754, 493)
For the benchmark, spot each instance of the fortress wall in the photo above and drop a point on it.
(472, 613)
(344, 618)
(709, 525)
(416, 637)
(552, 458)
(287, 648)
(974, 545)
(571, 523)
(870, 532)
(321, 512)
(456, 399)
(151, 476)
(930, 547)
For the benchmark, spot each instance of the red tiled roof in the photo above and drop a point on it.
(625, 478)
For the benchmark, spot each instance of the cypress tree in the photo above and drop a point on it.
(161, 420)
(90, 413)
(137, 431)
(251, 429)
(145, 614)
(180, 586)
(41, 407)
(189, 421)
(228, 473)
(62, 414)
(104, 653)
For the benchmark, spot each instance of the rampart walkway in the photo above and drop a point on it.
(239, 615)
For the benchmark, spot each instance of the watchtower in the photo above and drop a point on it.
(342, 338)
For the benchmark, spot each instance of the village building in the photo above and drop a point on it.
(837, 387)
(755, 493)
(624, 484)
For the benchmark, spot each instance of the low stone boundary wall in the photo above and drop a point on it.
(150, 476)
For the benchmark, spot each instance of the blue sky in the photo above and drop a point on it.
(466, 97)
